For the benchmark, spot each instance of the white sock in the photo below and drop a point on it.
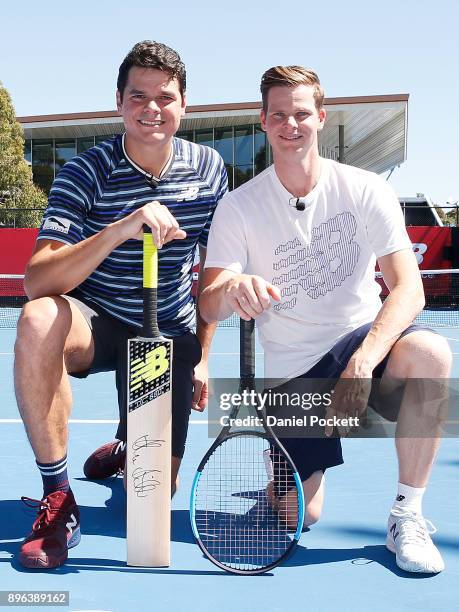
(409, 498)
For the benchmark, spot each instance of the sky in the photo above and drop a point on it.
(58, 57)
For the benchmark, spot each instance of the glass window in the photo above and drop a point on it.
(186, 135)
(261, 152)
(224, 144)
(270, 153)
(205, 137)
(65, 150)
(43, 163)
(230, 173)
(242, 174)
(83, 144)
(243, 145)
(99, 139)
(28, 151)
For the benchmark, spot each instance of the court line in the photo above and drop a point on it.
(212, 354)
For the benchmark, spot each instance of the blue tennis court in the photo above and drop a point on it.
(340, 564)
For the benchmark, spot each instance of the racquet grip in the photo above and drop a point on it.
(247, 348)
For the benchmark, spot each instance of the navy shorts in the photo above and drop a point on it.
(110, 354)
(312, 454)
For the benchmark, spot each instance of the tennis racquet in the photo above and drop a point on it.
(247, 505)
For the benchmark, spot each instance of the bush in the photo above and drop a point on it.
(17, 190)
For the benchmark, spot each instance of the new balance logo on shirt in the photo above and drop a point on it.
(188, 194)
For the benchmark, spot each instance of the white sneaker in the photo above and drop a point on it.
(408, 536)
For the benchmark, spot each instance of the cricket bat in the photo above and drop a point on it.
(149, 419)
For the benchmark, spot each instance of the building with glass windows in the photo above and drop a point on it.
(369, 132)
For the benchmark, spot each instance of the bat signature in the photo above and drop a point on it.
(145, 481)
(144, 442)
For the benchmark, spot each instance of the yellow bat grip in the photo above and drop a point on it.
(150, 262)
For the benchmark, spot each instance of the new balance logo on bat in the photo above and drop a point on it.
(145, 371)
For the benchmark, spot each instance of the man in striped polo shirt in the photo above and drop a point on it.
(84, 279)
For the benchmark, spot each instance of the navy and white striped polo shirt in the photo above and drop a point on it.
(101, 186)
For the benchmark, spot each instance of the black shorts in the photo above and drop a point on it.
(110, 354)
(312, 454)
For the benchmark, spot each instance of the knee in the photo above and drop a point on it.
(288, 511)
(312, 513)
(422, 355)
(443, 356)
(40, 318)
(437, 355)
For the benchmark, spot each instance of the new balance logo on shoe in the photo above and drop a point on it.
(408, 537)
(72, 523)
(108, 460)
(55, 530)
(120, 448)
(400, 497)
(392, 531)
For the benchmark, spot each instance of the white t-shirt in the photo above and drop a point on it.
(322, 259)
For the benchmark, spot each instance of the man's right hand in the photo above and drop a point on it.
(164, 226)
(249, 296)
(56, 268)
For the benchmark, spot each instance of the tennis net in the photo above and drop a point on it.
(441, 288)
(12, 298)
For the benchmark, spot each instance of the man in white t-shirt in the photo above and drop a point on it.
(295, 248)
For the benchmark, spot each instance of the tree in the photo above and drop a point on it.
(448, 216)
(441, 213)
(17, 190)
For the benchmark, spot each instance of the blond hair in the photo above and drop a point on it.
(290, 76)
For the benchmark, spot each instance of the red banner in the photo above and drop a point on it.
(16, 246)
(432, 246)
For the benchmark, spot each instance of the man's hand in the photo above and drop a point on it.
(201, 386)
(164, 226)
(350, 397)
(249, 296)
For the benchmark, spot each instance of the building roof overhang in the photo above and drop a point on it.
(375, 127)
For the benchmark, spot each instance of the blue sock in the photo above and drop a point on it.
(54, 476)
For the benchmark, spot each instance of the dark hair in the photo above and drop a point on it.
(151, 54)
(291, 76)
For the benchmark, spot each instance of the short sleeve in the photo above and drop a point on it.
(69, 202)
(227, 245)
(384, 221)
(220, 187)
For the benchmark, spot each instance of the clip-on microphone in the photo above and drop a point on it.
(298, 203)
(151, 180)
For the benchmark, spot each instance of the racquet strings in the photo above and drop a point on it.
(246, 520)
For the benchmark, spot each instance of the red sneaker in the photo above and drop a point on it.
(55, 530)
(108, 460)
